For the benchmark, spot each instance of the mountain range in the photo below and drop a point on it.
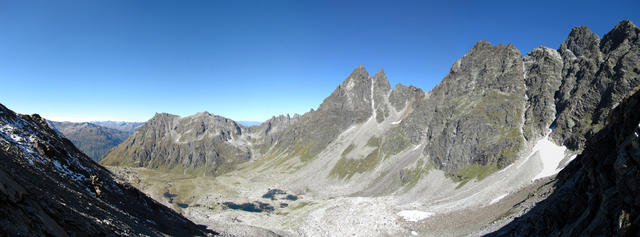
(497, 122)
(493, 104)
(128, 127)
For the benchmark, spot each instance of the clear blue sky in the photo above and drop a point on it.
(246, 60)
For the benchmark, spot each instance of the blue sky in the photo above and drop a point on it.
(248, 60)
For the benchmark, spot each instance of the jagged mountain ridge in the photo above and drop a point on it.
(492, 106)
(49, 187)
(94, 140)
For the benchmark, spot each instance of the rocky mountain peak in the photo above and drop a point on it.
(484, 67)
(354, 94)
(381, 82)
(482, 44)
(582, 42)
(162, 116)
(623, 34)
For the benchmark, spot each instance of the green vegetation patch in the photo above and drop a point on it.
(395, 141)
(349, 149)
(373, 142)
(346, 168)
(471, 172)
(410, 177)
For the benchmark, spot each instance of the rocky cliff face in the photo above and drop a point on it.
(474, 115)
(596, 75)
(92, 139)
(598, 193)
(50, 188)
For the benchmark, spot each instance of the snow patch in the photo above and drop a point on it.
(64, 170)
(414, 233)
(505, 168)
(397, 122)
(350, 85)
(550, 155)
(414, 215)
(498, 198)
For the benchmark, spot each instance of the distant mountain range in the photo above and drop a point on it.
(95, 138)
(249, 123)
(129, 127)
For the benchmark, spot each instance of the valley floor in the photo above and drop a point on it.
(208, 201)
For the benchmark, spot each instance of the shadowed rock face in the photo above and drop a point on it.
(49, 187)
(598, 193)
(596, 75)
(92, 139)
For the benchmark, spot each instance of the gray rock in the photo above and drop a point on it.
(543, 76)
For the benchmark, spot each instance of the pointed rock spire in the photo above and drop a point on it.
(624, 31)
(582, 42)
(381, 81)
(353, 96)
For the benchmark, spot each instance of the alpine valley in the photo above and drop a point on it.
(541, 144)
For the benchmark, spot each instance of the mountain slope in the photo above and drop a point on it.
(49, 187)
(597, 194)
(92, 139)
